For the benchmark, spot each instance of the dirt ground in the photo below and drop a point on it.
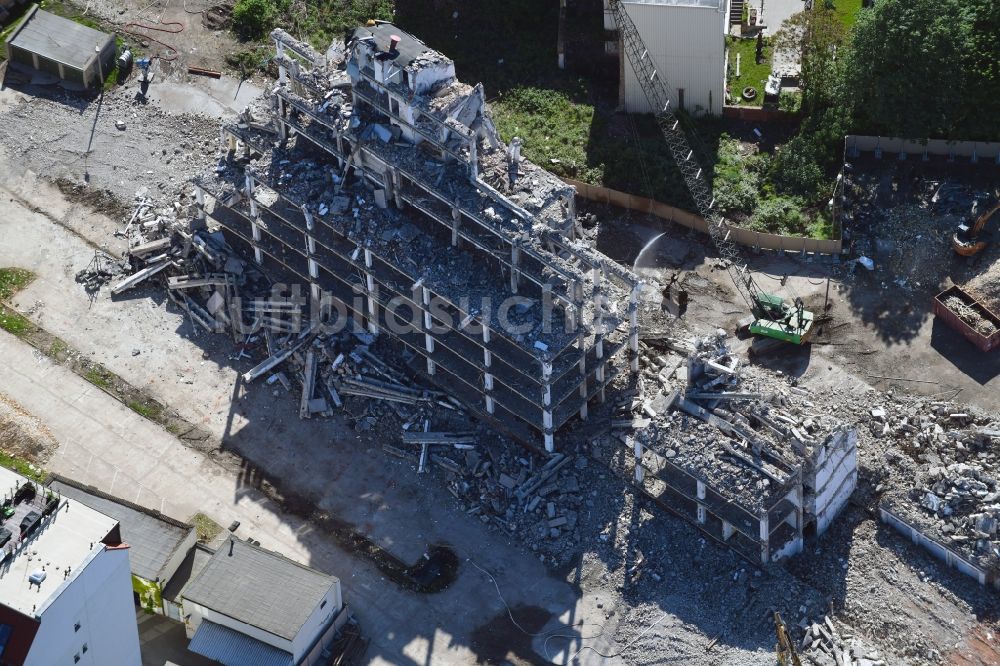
(23, 434)
(695, 602)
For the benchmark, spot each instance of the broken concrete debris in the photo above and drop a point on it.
(952, 504)
(752, 468)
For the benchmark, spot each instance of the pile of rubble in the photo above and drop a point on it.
(824, 645)
(953, 495)
(970, 315)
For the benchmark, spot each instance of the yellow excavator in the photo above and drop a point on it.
(787, 656)
(971, 241)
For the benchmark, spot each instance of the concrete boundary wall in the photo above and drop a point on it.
(754, 239)
(938, 550)
(974, 151)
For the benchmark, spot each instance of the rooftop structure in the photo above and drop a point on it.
(64, 541)
(155, 540)
(158, 543)
(61, 47)
(249, 605)
(515, 317)
(66, 561)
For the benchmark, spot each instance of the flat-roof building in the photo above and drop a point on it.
(62, 48)
(65, 591)
(158, 544)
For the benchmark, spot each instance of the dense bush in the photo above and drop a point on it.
(780, 215)
(738, 178)
(252, 19)
(926, 68)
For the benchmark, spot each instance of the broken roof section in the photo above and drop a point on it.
(400, 50)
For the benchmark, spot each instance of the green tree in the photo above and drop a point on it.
(252, 19)
(803, 166)
(819, 38)
(927, 68)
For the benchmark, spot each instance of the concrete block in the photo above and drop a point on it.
(558, 522)
(215, 303)
(550, 510)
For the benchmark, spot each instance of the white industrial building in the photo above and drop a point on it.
(65, 584)
(687, 41)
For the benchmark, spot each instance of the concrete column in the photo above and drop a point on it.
(640, 472)
(428, 324)
(456, 222)
(282, 126)
(282, 74)
(258, 254)
(515, 261)
(488, 377)
(370, 286)
(599, 352)
(547, 405)
(397, 187)
(571, 215)
(765, 534)
(701, 507)
(633, 328)
(201, 217)
(314, 289)
(581, 344)
(473, 160)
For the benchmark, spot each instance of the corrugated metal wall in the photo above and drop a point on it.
(689, 48)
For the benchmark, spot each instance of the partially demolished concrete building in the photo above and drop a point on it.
(474, 247)
(757, 471)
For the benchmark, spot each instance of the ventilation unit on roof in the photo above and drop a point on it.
(36, 577)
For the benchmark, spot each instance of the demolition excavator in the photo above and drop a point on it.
(773, 317)
(969, 241)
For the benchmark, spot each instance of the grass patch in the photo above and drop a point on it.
(247, 62)
(58, 350)
(13, 280)
(22, 467)
(847, 11)
(555, 128)
(12, 322)
(206, 528)
(320, 21)
(751, 74)
(149, 411)
(99, 376)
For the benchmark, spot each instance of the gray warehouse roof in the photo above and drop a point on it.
(58, 39)
(259, 588)
(152, 537)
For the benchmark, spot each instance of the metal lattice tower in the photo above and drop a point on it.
(690, 160)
